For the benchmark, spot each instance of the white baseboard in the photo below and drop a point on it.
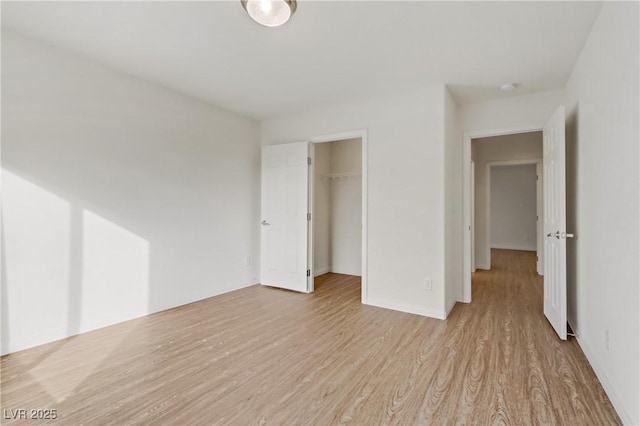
(25, 342)
(483, 266)
(606, 384)
(407, 309)
(513, 247)
(199, 295)
(354, 272)
(15, 344)
(321, 271)
(450, 307)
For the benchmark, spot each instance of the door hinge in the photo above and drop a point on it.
(308, 272)
(537, 258)
(308, 216)
(309, 160)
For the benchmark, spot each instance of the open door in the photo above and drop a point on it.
(555, 241)
(472, 226)
(539, 221)
(283, 244)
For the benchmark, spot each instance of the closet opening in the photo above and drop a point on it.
(336, 208)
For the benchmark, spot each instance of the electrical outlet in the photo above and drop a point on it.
(606, 338)
(428, 284)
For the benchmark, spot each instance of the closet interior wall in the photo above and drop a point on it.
(338, 207)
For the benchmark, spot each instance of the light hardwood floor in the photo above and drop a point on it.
(267, 356)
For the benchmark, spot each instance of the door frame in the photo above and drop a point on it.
(466, 194)
(538, 163)
(333, 137)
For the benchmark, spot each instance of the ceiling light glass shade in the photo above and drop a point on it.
(270, 13)
(508, 87)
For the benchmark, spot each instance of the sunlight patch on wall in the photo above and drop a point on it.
(115, 273)
(36, 227)
(66, 270)
(114, 286)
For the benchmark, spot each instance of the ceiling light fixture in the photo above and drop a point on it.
(270, 13)
(508, 87)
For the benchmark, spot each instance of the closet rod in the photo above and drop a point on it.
(343, 175)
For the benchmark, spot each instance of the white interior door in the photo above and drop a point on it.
(472, 226)
(283, 244)
(539, 218)
(554, 205)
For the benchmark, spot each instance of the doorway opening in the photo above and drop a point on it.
(484, 151)
(506, 196)
(287, 206)
(553, 214)
(514, 208)
(336, 206)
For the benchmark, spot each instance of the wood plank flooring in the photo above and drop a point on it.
(267, 356)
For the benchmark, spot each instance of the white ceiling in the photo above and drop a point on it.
(329, 52)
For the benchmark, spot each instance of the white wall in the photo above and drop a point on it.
(120, 198)
(532, 110)
(346, 207)
(602, 153)
(513, 207)
(452, 214)
(322, 209)
(405, 190)
(518, 147)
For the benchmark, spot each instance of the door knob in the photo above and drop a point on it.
(558, 235)
(265, 223)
